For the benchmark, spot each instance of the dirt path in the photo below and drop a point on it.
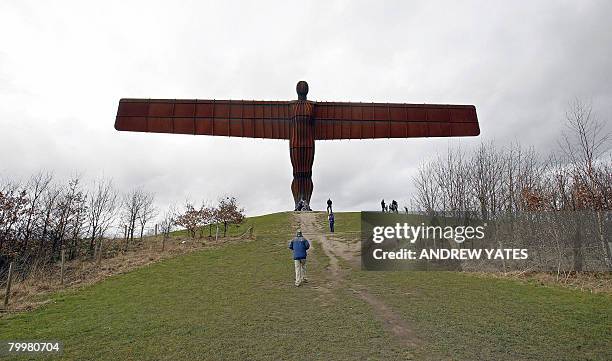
(312, 224)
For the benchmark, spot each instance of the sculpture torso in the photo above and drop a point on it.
(301, 149)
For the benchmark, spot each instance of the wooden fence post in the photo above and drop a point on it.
(8, 285)
(62, 268)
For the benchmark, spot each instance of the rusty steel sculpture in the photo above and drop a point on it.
(300, 121)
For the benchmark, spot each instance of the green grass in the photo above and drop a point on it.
(237, 302)
(347, 222)
(463, 316)
(233, 230)
(468, 317)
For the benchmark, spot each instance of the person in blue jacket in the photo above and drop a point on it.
(331, 222)
(299, 245)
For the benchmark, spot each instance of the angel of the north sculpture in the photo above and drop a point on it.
(300, 121)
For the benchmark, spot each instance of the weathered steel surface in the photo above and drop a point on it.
(300, 121)
(271, 119)
(301, 150)
(387, 120)
(252, 119)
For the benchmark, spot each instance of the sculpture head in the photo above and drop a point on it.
(302, 89)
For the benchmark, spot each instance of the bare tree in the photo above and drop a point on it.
(166, 224)
(487, 170)
(48, 206)
(207, 218)
(586, 138)
(191, 219)
(585, 143)
(68, 216)
(36, 186)
(147, 210)
(132, 208)
(77, 224)
(13, 203)
(427, 191)
(101, 210)
(228, 212)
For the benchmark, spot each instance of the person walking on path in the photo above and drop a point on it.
(331, 222)
(329, 205)
(299, 245)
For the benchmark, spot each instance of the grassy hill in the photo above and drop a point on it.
(238, 302)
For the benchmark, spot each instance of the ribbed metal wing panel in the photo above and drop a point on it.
(234, 118)
(389, 120)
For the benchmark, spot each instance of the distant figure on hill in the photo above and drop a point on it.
(329, 205)
(383, 205)
(300, 205)
(331, 222)
(394, 206)
(299, 245)
(406, 209)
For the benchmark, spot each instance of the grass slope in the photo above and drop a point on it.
(463, 316)
(237, 302)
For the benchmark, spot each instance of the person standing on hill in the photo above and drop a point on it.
(331, 222)
(299, 245)
(329, 205)
(382, 205)
(394, 206)
(305, 206)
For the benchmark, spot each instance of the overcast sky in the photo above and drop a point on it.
(65, 65)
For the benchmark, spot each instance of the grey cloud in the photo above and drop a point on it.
(64, 67)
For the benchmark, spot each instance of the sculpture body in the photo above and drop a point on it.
(301, 150)
(301, 121)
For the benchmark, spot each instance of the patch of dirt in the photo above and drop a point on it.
(391, 320)
(334, 247)
(348, 250)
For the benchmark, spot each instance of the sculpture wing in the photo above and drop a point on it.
(387, 120)
(250, 118)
